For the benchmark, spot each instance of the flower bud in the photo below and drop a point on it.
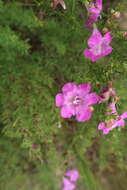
(117, 99)
(112, 11)
(117, 14)
(108, 21)
(105, 30)
(125, 34)
(110, 84)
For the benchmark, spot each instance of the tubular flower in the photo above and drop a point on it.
(72, 175)
(92, 18)
(76, 101)
(99, 46)
(94, 8)
(112, 107)
(106, 93)
(67, 184)
(110, 124)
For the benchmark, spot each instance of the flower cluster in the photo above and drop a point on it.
(99, 45)
(112, 123)
(68, 181)
(94, 9)
(77, 100)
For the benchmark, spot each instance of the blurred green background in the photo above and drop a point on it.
(41, 49)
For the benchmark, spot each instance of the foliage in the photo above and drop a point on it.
(42, 49)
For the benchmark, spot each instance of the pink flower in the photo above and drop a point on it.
(110, 124)
(76, 101)
(67, 184)
(99, 46)
(72, 174)
(117, 14)
(92, 18)
(56, 2)
(112, 107)
(106, 93)
(94, 8)
(125, 34)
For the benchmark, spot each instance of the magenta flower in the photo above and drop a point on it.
(112, 107)
(99, 46)
(67, 184)
(92, 18)
(106, 93)
(72, 174)
(76, 101)
(110, 124)
(94, 8)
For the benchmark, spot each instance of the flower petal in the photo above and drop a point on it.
(99, 4)
(84, 115)
(59, 100)
(113, 109)
(72, 174)
(106, 50)
(92, 18)
(118, 123)
(107, 38)
(67, 184)
(85, 88)
(91, 98)
(70, 86)
(106, 131)
(95, 7)
(94, 10)
(67, 111)
(90, 55)
(95, 38)
(124, 115)
(101, 126)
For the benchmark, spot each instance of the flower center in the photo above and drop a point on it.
(92, 4)
(98, 49)
(76, 100)
(110, 123)
(95, 4)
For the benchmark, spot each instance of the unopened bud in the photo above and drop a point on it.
(110, 84)
(105, 30)
(112, 11)
(125, 34)
(117, 99)
(117, 14)
(91, 108)
(98, 83)
(108, 21)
